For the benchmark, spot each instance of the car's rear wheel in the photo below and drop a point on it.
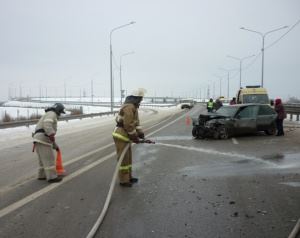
(221, 133)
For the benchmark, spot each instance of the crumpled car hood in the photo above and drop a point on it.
(210, 116)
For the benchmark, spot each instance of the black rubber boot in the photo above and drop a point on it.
(126, 185)
(134, 180)
(55, 180)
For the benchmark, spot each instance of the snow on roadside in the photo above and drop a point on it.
(11, 137)
(17, 109)
(17, 112)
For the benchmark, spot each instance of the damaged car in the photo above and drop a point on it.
(235, 120)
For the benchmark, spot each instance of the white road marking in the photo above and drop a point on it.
(234, 141)
(170, 123)
(33, 177)
(6, 189)
(50, 187)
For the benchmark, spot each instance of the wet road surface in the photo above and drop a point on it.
(246, 187)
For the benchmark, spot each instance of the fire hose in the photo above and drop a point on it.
(96, 226)
(295, 231)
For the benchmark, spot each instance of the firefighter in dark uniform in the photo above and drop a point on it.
(128, 130)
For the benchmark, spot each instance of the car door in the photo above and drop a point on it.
(265, 118)
(246, 119)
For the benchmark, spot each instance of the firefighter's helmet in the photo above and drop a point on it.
(59, 108)
(140, 92)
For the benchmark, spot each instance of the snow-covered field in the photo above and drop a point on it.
(17, 112)
(27, 112)
(19, 135)
(23, 109)
(19, 109)
(77, 99)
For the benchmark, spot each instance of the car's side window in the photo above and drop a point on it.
(248, 112)
(265, 110)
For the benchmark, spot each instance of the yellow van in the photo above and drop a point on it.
(252, 94)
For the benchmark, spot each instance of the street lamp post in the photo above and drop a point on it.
(241, 61)
(228, 77)
(111, 72)
(121, 87)
(227, 80)
(220, 78)
(263, 35)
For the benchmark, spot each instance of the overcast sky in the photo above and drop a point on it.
(179, 46)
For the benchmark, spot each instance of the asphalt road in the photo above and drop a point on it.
(241, 187)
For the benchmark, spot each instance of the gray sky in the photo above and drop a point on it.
(179, 46)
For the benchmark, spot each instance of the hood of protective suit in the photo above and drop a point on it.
(134, 100)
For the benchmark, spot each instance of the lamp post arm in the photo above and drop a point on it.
(263, 35)
(246, 29)
(116, 28)
(280, 28)
(247, 57)
(236, 58)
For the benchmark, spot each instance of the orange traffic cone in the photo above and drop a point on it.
(188, 120)
(59, 166)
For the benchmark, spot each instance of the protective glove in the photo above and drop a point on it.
(52, 138)
(55, 147)
(134, 139)
(141, 135)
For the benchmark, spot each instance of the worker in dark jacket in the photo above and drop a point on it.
(218, 104)
(233, 101)
(281, 115)
(44, 143)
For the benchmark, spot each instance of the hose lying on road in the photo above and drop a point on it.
(96, 226)
(295, 231)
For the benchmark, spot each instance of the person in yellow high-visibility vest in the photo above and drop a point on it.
(128, 130)
(210, 105)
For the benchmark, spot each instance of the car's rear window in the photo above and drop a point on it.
(266, 110)
(255, 98)
(227, 111)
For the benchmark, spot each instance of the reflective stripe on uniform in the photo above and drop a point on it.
(50, 167)
(125, 168)
(50, 120)
(139, 127)
(120, 137)
(41, 142)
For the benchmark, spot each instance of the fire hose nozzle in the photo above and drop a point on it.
(147, 141)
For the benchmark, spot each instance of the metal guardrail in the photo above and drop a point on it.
(293, 109)
(72, 105)
(27, 123)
